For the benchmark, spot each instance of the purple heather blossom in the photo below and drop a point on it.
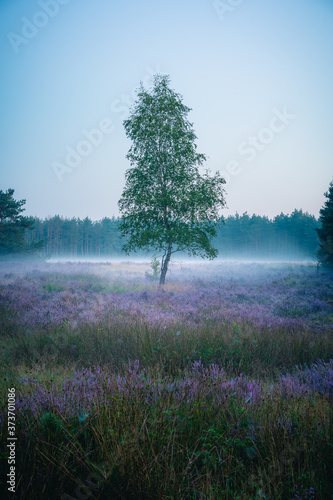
(263, 297)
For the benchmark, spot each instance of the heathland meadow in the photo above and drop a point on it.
(217, 385)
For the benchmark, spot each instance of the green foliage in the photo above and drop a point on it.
(155, 264)
(77, 237)
(241, 236)
(50, 425)
(325, 233)
(166, 204)
(13, 226)
(257, 236)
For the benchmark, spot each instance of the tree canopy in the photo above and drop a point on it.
(13, 226)
(325, 232)
(287, 236)
(166, 204)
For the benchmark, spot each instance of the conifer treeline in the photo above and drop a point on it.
(242, 236)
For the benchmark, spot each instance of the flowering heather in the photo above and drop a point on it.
(202, 411)
(282, 298)
(218, 385)
(90, 387)
(318, 378)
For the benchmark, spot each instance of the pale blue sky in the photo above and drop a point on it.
(258, 76)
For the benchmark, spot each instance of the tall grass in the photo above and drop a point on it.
(207, 389)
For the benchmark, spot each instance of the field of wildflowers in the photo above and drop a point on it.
(219, 385)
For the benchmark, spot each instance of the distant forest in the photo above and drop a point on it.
(242, 236)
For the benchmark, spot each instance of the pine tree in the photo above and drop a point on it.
(13, 226)
(325, 232)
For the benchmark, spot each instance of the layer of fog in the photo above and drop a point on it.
(142, 260)
(127, 270)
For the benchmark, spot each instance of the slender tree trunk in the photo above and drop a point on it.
(165, 264)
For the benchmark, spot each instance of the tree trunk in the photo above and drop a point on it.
(165, 264)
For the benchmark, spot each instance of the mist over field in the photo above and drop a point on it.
(166, 250)
(195, 262)
(219, 381)
(181, 268)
